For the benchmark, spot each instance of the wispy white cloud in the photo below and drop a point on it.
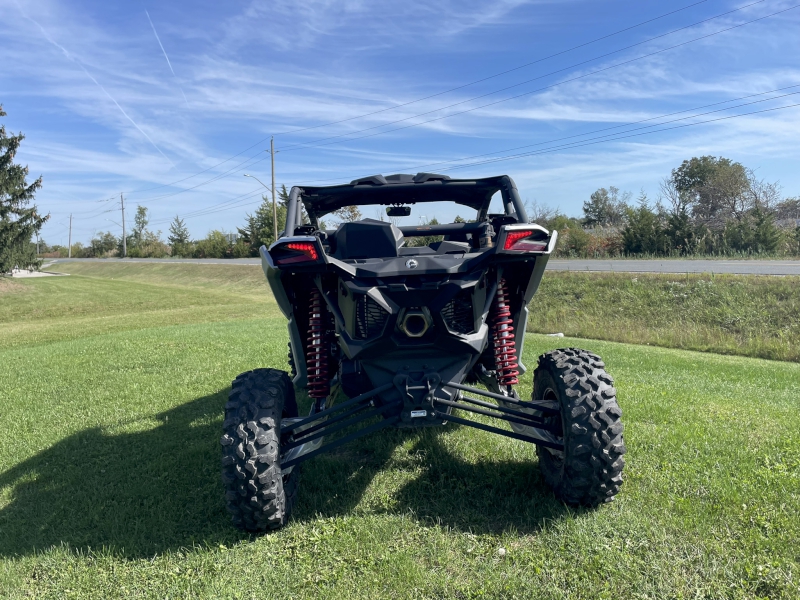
(158, 39)
(66, 53)
(287, 25)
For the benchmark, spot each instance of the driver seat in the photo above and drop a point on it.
(368, 238)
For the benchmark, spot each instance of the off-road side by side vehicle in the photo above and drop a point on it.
(407, 333)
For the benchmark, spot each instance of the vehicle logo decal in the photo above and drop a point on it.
(412, 263)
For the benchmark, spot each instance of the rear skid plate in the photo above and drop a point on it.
(302, 438)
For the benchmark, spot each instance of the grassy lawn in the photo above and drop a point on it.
(746, 315)
(113, 382)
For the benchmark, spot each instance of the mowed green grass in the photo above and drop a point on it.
(746, 315)
(112, 401)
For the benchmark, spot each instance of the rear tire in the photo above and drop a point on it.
(258, 496)
(589, 470)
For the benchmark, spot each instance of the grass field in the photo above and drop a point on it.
(746, 315)
(113, 382)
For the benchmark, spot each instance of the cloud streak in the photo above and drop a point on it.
(158, 39)
(69, 56)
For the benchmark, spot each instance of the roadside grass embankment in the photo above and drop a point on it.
(101, 298)
(746, 315)
(109, 470)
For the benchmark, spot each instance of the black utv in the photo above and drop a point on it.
(407, 333)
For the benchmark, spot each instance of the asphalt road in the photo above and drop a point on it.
(737, 267)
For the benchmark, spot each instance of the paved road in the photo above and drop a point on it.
(740, 267)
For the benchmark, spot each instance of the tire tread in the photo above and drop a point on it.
(258, 496)
(590, 473)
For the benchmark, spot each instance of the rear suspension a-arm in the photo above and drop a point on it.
(531, 426)
(302, 438)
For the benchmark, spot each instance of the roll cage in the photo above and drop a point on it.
(405, 189)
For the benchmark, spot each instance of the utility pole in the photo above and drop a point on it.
(124, 237)
(69, 251)
(274, 203)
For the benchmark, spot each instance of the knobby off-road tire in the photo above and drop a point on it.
(258, 496)
(589, 470)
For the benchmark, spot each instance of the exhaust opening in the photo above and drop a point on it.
(415, 324)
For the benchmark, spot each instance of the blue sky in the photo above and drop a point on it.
(133, 97)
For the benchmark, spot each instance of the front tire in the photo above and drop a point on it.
(258, 496)
(588, 471)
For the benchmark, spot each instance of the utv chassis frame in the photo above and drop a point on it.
(411, 376)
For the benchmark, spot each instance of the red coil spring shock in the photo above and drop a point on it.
(505, 348)
(317, 354)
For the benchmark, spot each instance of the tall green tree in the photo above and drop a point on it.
(140, 221)
(425, 240)
(102, 244)
(283, 195)
(755, 233)
(143, 243)
(179, 237)
(258, 229)
(606, 208)
(19, 222)
(718, 189)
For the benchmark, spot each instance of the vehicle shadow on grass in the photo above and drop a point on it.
(152, 486)
(486, 496)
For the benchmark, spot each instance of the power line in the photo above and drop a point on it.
(694, 116)
(664, 116)
(239, 167)
(477, 81)
(212, 209)
(583, 143)
(315, 143)
(604, 69)
(228, 204)
(395, 107)
(619, 137)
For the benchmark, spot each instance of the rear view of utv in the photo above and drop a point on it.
(413, 336)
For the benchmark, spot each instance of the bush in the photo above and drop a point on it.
(150, 245)
(215, 245)
(643, 233)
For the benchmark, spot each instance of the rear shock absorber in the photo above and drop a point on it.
(505, 347)
(317, 354)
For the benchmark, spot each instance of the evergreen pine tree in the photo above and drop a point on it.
(18, 221)
(179, 237)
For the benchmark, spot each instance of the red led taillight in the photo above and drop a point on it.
(519, 241)
(304, 247)
(295, 253)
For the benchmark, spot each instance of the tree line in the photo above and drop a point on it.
(707, 206)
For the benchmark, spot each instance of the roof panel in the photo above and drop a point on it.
(401, 189)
